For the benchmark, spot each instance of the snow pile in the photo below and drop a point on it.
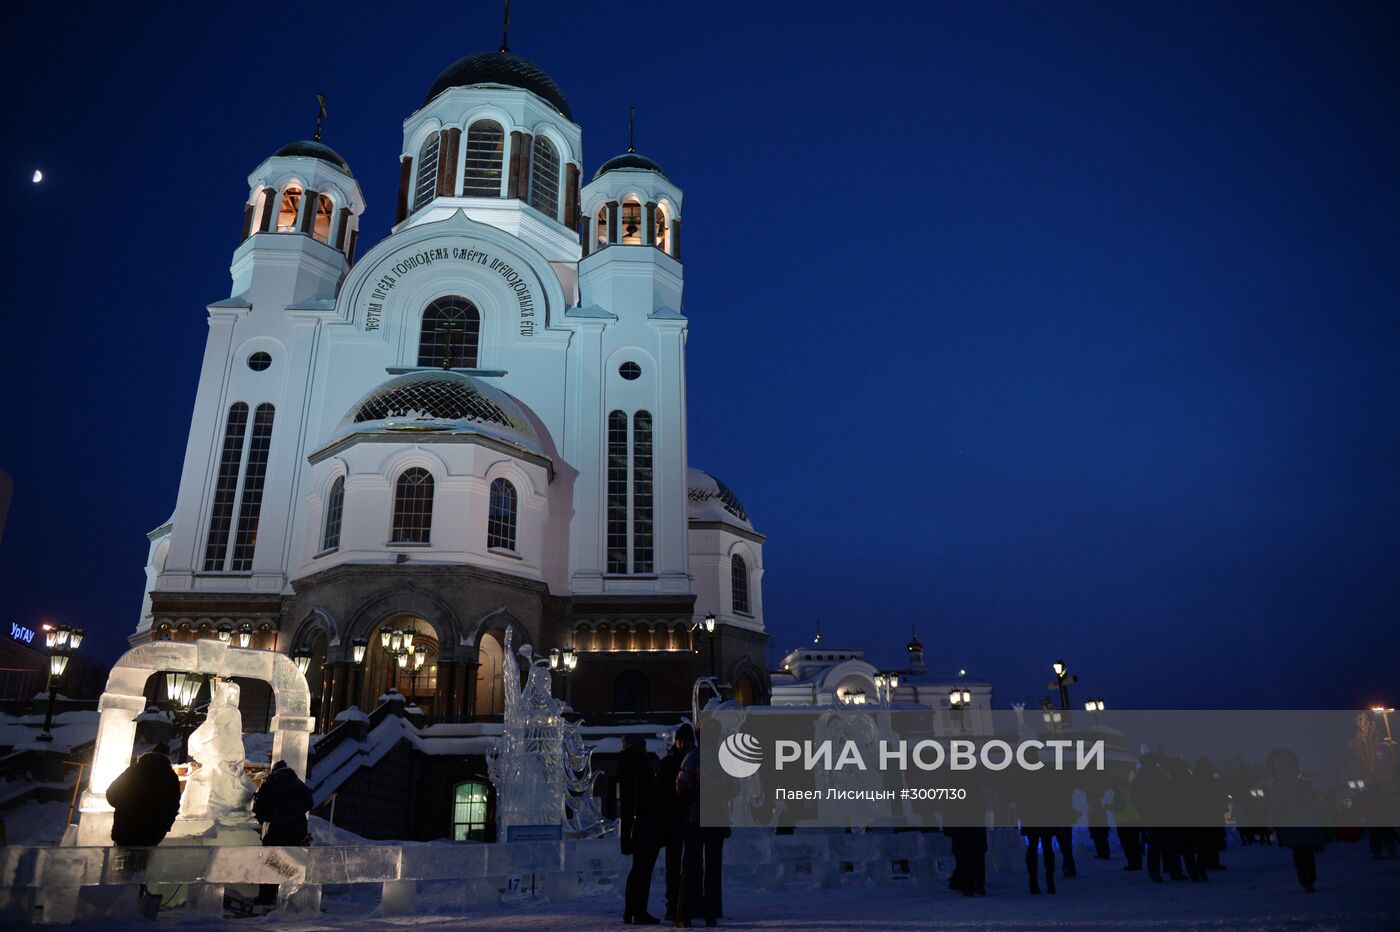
(35, 823)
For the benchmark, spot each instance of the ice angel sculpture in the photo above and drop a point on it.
(542, 773)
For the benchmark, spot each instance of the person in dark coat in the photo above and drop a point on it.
(1150, 790)
(1211, 801)
(1129, 820)
(702, 858)
(1038, 808)
(280, 806)
(969, 843)
(145, 800)
(1181, 841)
(673, 835)
(1295, 813)
(640, 811)
(1098, 825)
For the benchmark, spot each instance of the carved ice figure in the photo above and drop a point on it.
(219, 789)
(542, 773)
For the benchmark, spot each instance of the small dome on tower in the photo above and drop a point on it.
(501, 68)
(311, 149)
(629, 160)
(914, 645)
(712, 500)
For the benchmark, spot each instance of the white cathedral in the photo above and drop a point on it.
(479, 425)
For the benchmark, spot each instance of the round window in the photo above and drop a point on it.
(629, 371)
(259, 361)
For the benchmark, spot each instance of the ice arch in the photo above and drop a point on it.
(124, 699)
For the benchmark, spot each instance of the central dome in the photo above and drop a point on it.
(501, 68)
(440, 403)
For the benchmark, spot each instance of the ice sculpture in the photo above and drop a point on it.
(542, 773)
(219, 789)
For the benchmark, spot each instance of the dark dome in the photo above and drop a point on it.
(500, 68)
(309, 148)
(629, 160)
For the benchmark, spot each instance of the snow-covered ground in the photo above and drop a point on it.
(1258, 891)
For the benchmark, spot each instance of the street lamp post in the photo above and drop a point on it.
(1063, 679)
(181, 690)
(960, 699)
(62, 642)
(358, 648)
(420, 657)
(1052, 715)
(1384, 713)
(885, 685)
(710, 629)
(1094, 706)
(563, 661)
(399, 646)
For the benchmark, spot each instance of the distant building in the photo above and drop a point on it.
(825, 676)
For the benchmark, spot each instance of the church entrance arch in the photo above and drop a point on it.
(393, 660)
(125, 699)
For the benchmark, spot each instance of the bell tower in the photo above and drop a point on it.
(630, 282)
(301, 224)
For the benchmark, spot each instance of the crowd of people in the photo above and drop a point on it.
(1170, 820)
(659, 808)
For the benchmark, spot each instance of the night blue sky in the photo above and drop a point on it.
(1054, 329)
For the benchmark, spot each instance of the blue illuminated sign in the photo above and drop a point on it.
(21, 633)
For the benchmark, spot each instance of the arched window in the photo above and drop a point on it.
(600, 231)
(631, 692)
(617, 492)
(500, 521)
(324, 214)
(335, 508)
(642, 560)
(469, 811)
(451, 331)
(544, 177)
(739, 583)
(234, 497)
(485, 150)
(426, 188)
(287, 213)
(254, 478)
(663, 227)
(226, 488)
(631, 223)
(413, 507)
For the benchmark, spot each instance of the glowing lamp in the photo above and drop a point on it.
(1059, 667)
(225, 632)
(403, 660)
(407, 634)
(75, 637)
(420, 656)
(385, 635)
(245, 634)
(302, 656)
(57, 662)
(357, 649)
(710, 623)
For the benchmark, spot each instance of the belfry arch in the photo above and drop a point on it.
(125, 699)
